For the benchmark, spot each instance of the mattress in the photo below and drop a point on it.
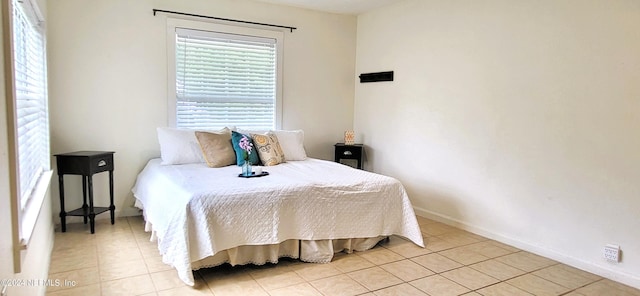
(198, 213)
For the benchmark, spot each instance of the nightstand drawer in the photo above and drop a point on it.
(101, 163)
(84, 162)
(355, 152)
(349, 152)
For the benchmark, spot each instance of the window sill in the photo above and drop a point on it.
(29, 214)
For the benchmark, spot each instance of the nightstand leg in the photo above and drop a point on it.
(112, 208)
(92, 215)
(85, 208)
(63, 214)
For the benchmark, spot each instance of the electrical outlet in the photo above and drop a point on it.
(612, 253)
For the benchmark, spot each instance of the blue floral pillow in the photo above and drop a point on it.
(253, 156)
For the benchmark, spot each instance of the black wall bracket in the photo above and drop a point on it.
(376, 77)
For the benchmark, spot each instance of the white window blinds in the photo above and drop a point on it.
(32, 122)
(225, 80)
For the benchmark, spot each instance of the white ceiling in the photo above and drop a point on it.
(336, 6)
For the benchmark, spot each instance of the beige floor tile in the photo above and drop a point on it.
(504, 246)
(275, 278)
(463, 255)
(472, 294)
(165, 280)
(93, 289)
(303, 289)
(122, 255)
(186, 291)
(609, 288)
(404, 247)
(579, 272)
(340, 285)
(470, 278)
(312, 271)
(374, 278)
(488, 249)
(74, 227)
(136, 223)
(235, 283)
(73, 260)
(497, 269)
(436, 244)
(436, 262)
(526, 261)
(116, 244)
(563, 276)
(461, 238)
(74, 279)
(148, 249)
(573, 293)
(400, 290)
(423, 221)
(350, 262)
(380, 256)
(116, 270)
(537, 286)
(155, 264)
(437, 285)
(128, 286)
(104, 227)
(72, 240)
(502, 289)
(436, 228)
(407, 270)
(89, 251)
(110, 242)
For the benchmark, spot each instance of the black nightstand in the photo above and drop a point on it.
(85, 163)
(355, 152)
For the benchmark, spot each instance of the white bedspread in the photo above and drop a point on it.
(198, 211)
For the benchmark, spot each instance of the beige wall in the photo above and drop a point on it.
(35, 259)
(519, 120)
(108, 80)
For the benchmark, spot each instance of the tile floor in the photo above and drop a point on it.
(119, 260)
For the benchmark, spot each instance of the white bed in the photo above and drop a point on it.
(311, 209)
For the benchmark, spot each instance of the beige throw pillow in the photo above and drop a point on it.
(268, 148)
(216, 148)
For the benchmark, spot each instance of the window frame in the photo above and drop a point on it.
(25, 206)
(173, 24)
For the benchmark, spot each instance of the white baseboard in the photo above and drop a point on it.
(592, 267)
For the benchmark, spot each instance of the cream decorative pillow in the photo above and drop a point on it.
(178, 146)
(216, 148)
(268, 148)
(292, 143)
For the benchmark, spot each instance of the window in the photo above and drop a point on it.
(27, 98)
(225, 76)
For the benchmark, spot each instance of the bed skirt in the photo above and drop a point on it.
(319, 251)
(313, 251)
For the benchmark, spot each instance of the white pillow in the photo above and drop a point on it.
(179, 146)
(292, 143)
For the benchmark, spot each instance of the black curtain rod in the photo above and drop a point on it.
(223, 19)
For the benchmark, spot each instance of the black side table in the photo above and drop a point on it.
(355, 151)
(85, 163)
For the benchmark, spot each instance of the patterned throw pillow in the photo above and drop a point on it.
(268, 148)
(216, 148)
(253, 156)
